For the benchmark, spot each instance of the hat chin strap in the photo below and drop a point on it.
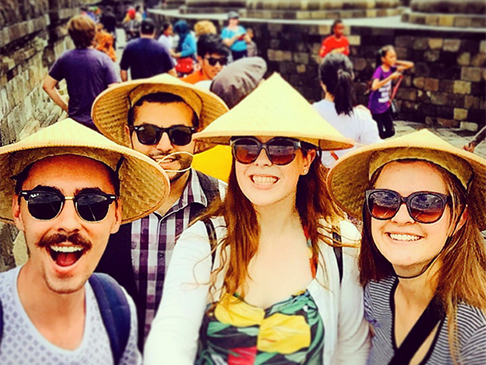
(173, 154)
(426, 267)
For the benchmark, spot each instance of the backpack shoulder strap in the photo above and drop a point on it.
(433, 314)
(1, 321)
(338, 252)
(115, 312)
(212, 238)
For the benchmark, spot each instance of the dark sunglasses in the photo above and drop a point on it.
(280, 150)
(223, 61)
(422, 206)
(47, 205)
(149, 134)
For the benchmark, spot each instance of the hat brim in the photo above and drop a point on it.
(144, 185)
(349, 178)
(110, 108)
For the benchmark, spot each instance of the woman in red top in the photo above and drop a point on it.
(336, 42)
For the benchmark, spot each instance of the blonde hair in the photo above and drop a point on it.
(204, 27)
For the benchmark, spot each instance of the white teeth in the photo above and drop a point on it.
(264, 180)
(404, 237)
(66, 249)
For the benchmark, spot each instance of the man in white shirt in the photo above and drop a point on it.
(61, 188)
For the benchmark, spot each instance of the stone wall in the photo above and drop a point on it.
(33, 34)
(445, 88)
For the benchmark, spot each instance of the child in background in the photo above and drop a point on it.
(336, 42)
(388, 68)
(251, 47)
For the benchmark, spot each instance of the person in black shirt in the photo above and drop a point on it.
(145, 57)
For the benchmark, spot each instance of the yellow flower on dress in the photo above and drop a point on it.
(284, 334)
(231, 310)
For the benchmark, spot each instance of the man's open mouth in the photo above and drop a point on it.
(66, 255)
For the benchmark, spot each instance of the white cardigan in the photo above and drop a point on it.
(173, 339)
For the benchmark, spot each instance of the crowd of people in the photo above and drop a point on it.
(217, 217)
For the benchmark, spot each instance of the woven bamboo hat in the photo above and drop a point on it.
(349, 178)
(275, 109)
(110, 109)
(144, 185)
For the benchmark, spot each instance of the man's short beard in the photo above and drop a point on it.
(185, 162)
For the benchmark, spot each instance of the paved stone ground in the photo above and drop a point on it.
(456, 137)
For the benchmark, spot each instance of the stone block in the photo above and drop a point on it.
(275, 27)
(476, 115)
(456, 100)
(435, 43)
(446, 20)
(460, 114)
(272, 55)
(471, 74)
(404, 41)
(446, 86)
(302, 58)
(324, 29)
(439, 98)
(479, 60)
(462, 87)
(359, 64)
(462, 22)
(422, 69)
(301, 69)
(407, 94)
(354, 40)
(468, 126)
(446, 112)
(419, 82)
(471, 102)
(478, 88)
(448, 123)
(451, 45)
(432, 19)
(420, 43)
(432, 55)
(464, 59)
(482, 47)
(431, 84)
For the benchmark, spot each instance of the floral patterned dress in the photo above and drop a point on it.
(238, 333)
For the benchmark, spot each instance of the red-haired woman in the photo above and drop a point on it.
(269, 287)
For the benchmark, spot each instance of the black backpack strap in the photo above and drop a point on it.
(433, 314)
(115, 312)
(1, 322)
(338, 252)
(212, 238)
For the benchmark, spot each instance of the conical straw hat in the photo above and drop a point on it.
(110, 109)
(349, 178)
(276, 109)
(144, 185)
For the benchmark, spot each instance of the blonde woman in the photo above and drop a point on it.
(423, 259)
(257, 280)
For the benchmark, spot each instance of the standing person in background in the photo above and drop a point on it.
(336, 42)
(104, 42)
(478, 138)
(204, 27)
(338, 107)
(131, 25)
(251, 47)
(87, 72)
(388, 68)
(167, 39)
(212, 56)
(145, 57)
(235, 37)
(185, 52)
(108, 19)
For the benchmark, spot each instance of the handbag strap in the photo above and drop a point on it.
(433, 314)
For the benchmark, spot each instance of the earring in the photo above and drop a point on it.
(305, 171)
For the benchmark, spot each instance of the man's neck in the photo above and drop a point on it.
(147, 36)
(59, 318)
(176, 189)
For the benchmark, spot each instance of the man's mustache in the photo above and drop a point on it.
(75, 239)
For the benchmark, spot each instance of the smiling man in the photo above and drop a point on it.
(157, 116)
(212, 56)
(67, 188)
